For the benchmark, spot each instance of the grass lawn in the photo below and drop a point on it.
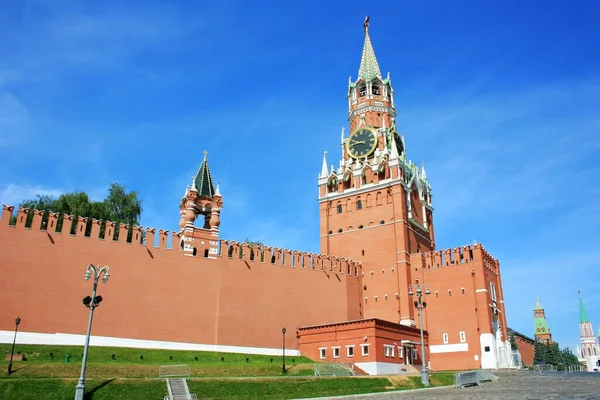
(214, 375)
(49, 361)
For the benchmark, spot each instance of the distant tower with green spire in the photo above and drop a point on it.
(588, 353)
(540, 326)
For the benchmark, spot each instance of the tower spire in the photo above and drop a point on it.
(369, 68)
(203, 180)
(583, 317)
(324, 172)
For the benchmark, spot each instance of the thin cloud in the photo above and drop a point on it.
(13, 194)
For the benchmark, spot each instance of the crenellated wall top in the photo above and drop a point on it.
(460, 255)
(122, 233)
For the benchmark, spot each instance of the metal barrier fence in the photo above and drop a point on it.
(334, 369)
(172, 371)
(473, 378)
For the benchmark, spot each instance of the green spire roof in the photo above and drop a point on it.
(203, 180)
(369, 68)
(540, 326)
(583, 317)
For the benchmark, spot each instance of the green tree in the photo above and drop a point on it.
(553, 354)
(541, 353)
(569, 359)
(252, 244)
(512, 340)
(118, 206)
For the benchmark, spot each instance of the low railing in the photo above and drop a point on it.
(174, 371)
(473, 378)
(192, 396)
(334, 369)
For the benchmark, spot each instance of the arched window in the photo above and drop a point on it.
(376, 88)
(339, 208)
(359, 204)
(362, 90)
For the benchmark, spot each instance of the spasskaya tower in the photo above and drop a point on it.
(375, 206)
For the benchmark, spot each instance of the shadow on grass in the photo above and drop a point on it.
(90, 395)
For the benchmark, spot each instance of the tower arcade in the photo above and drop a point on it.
(375, 206)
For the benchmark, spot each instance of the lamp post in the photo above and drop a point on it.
(283, 354)
(17, 322)
(421, 289)
(91, 303)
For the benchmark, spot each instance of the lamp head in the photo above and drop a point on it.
(17, 320)
(410, 292)
(105, 277)
(88, 274)
(427, 291)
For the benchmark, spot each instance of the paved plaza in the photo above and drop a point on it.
(510, 386)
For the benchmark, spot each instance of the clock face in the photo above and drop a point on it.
(362, 143)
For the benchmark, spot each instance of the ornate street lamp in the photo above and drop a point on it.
(283, 354)
(91, 303)
(421, 289)
(17, 322)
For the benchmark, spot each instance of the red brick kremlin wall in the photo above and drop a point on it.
(155, 293)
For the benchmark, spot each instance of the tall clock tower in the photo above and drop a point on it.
(375, 205)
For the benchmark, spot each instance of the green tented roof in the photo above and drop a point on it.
(369, 68)
(583, 317)
(203, 180)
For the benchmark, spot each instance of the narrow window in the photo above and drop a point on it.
(350, 351)
(463, 337)
(449, 292)
(359, 204)
(462, 290)
(323, 352)
(336, 352)
(445, 338)
(493, 290)
(339, 209)
(365, 349)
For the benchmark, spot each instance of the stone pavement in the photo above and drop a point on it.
(511, 386)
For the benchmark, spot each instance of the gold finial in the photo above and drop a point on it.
(366, 23)
(205, 154)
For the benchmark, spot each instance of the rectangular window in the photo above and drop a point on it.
(400, 353)
(463, 338)
(336, 352)
(487, 349)
(365, 349)
(388, 350)
(493, 291)
(350, 351)
(445, 338)
(323, 352)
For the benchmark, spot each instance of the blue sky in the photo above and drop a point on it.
(501, 101)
